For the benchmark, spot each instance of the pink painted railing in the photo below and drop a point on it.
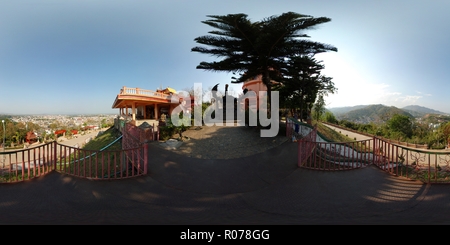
(105, 164)
(26, 164)
(34, 162)
(407, 144)
(315, 152)
(425, 165)
(335, 156)
(133, 138)
(306, 147)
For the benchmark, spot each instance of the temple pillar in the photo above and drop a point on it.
(156, 112)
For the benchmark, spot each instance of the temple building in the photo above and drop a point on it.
(146, 106)
(256, 85)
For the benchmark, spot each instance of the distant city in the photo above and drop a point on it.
(51, 122)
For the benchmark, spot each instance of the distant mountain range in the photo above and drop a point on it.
(379, 112)
(420, 111)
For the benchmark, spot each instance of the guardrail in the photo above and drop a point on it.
(427, 166)
(97, 165)
(34, 162)
(398, 142)
(28, 163)
(315, 152)
(424, 165)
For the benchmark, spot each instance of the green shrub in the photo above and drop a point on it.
(166, 132)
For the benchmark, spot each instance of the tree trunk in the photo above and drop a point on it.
(266, 81)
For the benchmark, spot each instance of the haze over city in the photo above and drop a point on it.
(73, 57)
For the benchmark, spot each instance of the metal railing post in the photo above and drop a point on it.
(145, 158)
(54, 155)
(374, 150)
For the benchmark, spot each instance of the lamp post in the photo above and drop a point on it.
(3, 122)
(4, 134)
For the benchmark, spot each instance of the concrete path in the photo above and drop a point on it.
(265, 188)
(80, 139)
(350, 134)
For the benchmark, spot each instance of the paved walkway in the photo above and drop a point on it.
(350, 134)
(80, 139)
(264, 188)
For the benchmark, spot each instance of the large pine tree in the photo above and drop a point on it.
(258, 48)
(302, 83)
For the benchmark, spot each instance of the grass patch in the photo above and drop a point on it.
(16, 175)
(106, 138)
(103, 164)
(331, 134)
(99, 165)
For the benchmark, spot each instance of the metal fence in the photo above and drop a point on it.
(34, 162)
(427, 166)
(133, 138)
(397, 142)
(28, 163)
(104, 164)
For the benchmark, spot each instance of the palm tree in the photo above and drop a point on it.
(258, 48)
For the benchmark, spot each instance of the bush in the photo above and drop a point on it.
(329, 117)
(437, 147)
(348, 124)
(166, 132)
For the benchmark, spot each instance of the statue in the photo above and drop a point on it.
(222, 112)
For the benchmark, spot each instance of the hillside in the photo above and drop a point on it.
(420, 111)
(376, 113)
(435, 119)
(338, 111)
(103, 140)
(373, 113)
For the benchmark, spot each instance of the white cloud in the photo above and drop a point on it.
(411, 99)
(423, 93)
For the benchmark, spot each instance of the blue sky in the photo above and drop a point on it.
(73, 57)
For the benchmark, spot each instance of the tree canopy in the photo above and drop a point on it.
(302, 83)
(401, 125)
(257, 48)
